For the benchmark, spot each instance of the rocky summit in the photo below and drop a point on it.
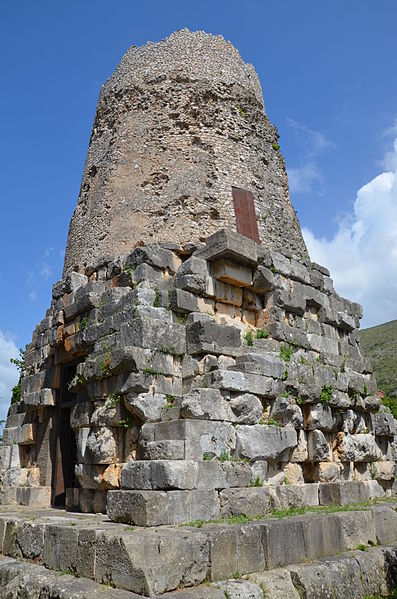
(196, 380)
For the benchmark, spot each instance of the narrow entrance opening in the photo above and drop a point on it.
(66, 448)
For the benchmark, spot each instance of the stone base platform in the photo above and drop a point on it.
(167, 559)
(156, 508)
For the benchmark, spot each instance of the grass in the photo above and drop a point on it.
(294, 511)
(286, 352)
(262, 334)
(326, 394)
(249, 338)
(380, 345)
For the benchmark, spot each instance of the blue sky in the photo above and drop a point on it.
(328, 73)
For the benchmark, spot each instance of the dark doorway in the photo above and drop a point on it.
(66, 448)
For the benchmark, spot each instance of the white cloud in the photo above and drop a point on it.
(8, 372)
(301, 179)
(362, 256)
(311, 143)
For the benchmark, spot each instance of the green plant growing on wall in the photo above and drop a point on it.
(126, 422)
(249, 338)
(20, 364)
(83, 323)
(241, 112)
(262, 334)
(286, 352)
(275, 146)
(326, 394)
(112, 400)
(156, 302)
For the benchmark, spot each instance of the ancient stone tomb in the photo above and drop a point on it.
(193, 363)
(190, 382)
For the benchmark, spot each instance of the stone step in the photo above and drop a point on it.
(356, 574)
(19, 579)
(157, 560)
(178, 498)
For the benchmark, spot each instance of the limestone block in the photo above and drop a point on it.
(277, 582)
(385, 520)
(183, 301)
(322, 344)
(383, 470)
(98, 476)
(206, 404)
(328, 472)
(155, 256)
(80, 414)
(332, 579)
(263, 280)
(357, 528)
(155, 508)
(247, 408)
(241, 589)
(344, 492)
(286, 412)
(232, 273)
(153, 333)
(384, 424)
(160, 474)
(103, 446)
(357, 448)
(296, 495)
(200, 437)
(299, 453)
(246, 383)
(5, 457)
(214, 474)
(259, 472)
(259, 442)
(205, 336)
(319, 416)
(30, 538)
(317, 446)
(164, 450)
(146, 406)
(258, 363)
(275, 473)
(293, 473)
(234, 548)
(229, 244)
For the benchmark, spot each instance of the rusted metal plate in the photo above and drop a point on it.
(244, 210)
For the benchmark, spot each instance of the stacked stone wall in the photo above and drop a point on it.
(215, 379)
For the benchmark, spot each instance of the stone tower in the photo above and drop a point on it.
(179, 124)
(171, 380)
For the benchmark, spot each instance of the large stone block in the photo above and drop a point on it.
(206, 404)
(214, 474)
(201, 436)
(229, 244)
(246, 383)
(252, 501)
(343, 493)
(134, 562)
(257, 363)
(205, 336)
(155, 508)
(159, 474)
(247, 408)
(261, 442)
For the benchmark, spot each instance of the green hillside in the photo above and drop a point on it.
(380, 345)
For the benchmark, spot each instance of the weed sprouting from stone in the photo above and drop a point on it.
(286, 352)
(326, 394)
(249, 338)
(262, 334)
